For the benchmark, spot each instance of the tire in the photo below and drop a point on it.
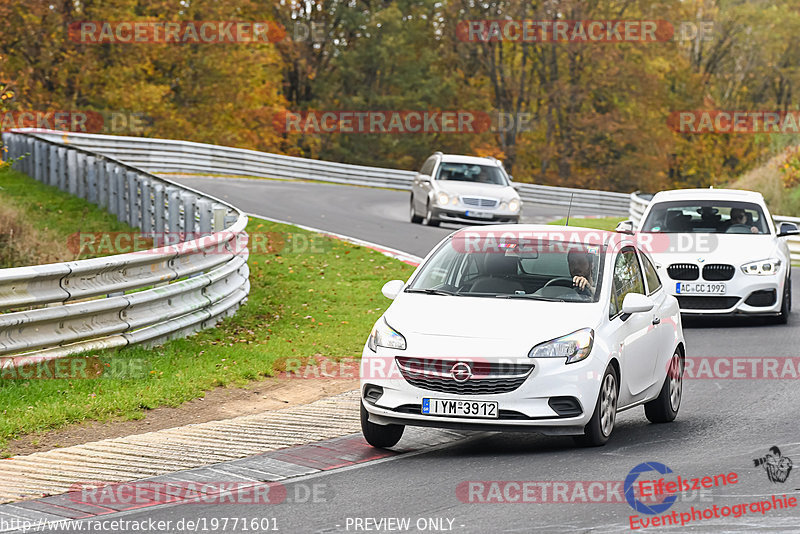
(379, 436)
(413, 217)
(428, 220)
(786, 304)
(601, 425)
(664, 408)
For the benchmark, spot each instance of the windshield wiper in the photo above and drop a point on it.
(529, 296)
(430, 291)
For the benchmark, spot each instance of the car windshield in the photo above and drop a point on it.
(537, 270)
(706, 217)
(464, 172)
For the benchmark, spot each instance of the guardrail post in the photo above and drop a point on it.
(53, 178)
(122, 198)
(91, 179)
(219, 217)
(133, 200)
(146, 205)
(80, 174)
(101, 179)
(158, 208)
(63, 172)
(72, 172)
(204, 207)
(111, 177)
(189, 201)
(38, 173)
(174, 210)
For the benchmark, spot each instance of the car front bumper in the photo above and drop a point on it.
(744, 295)
(526, 408)
(462, 215)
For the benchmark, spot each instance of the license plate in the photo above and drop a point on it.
(699, 288)
(479, 214)
(458, 408)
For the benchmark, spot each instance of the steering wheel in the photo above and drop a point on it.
(738, 229)
(560, 281)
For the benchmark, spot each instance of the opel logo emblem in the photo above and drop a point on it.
(461, 372)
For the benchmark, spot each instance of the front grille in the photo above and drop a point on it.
(706, 303)
(718, 271)
(765, 297)
(487, 378)
(479, 202)
(683, 271)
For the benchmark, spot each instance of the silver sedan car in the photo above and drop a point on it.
(463, 189)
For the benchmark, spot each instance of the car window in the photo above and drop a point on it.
(474, 266)
(650, 274)
(464, 172)
(427, 168)
(627, 278)
(715, 217)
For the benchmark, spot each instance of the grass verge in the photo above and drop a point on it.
(603, 223)
(302, 304)
(37, 220)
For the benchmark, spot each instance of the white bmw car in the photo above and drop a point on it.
(718, 252)
(532, 327)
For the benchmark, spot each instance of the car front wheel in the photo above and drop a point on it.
(380, 436)
(413, 217)
(664, 408)
(600, 426)
(429, 220)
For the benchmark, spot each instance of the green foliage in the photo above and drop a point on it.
(598, 111)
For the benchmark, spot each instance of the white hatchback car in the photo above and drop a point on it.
(463, 189)
(530, 327)
(718, 252)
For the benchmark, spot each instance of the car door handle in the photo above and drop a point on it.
(656, 320)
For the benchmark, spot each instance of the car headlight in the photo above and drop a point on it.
(763, 267)
(574, 347)
(442, 199)
(384, 335)
(513, 204)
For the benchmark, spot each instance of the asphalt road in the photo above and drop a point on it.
(723, 425)
(376, 215)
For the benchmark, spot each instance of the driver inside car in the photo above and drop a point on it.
(739, 216)
(580, 268)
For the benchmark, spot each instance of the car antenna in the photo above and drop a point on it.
(569, 209)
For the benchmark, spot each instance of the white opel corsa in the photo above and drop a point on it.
(719, 253)
(532, 327)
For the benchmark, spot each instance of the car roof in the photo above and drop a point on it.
(475, 160)
(709, 194)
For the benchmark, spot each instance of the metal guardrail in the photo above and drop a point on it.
(82, 305)
(638, 205)
(169, 156)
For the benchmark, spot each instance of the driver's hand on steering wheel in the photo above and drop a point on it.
(581, 282)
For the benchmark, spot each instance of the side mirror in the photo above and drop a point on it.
(515, 185)
(787, 228)
(625, 227)
(392, 288)
(636, 303)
